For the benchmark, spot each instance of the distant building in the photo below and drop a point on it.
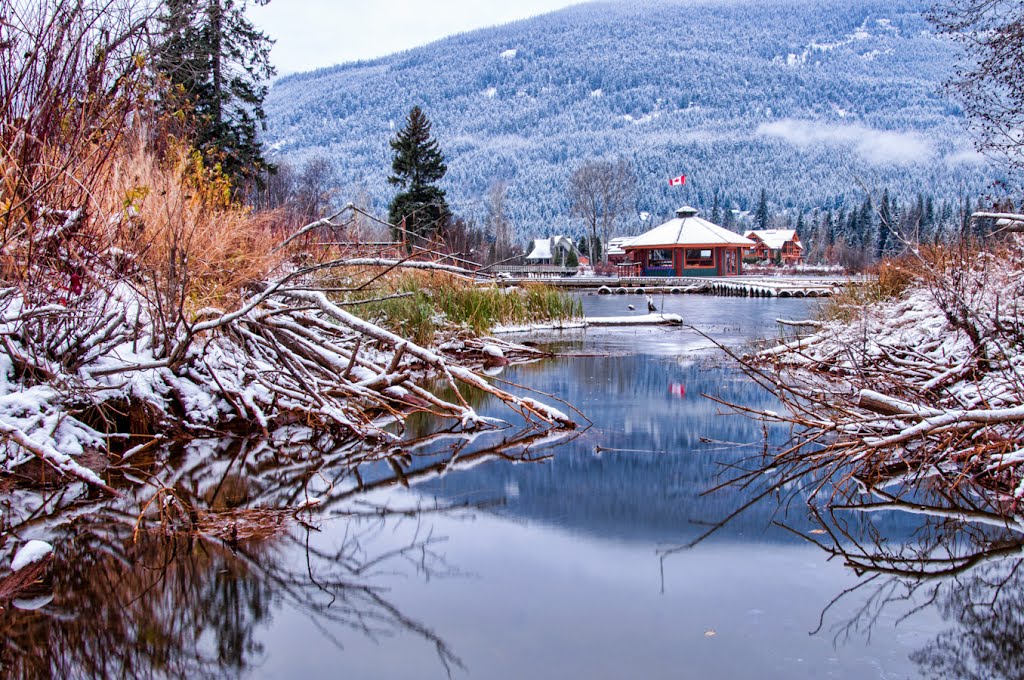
(616, 253)
(688, 246)
(552, 250)
(776, 244)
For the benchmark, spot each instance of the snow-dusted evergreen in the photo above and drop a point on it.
(807, 100)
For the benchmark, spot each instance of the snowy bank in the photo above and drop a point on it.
(931, 379)
(78, 377)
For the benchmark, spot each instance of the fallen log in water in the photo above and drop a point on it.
(638, 320)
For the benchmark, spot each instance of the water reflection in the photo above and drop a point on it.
(296, 557)
(986, 638)
(183, 576)
(643, 469)
(962, 559)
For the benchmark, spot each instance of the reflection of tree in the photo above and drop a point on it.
(177, 578)
(987, 640)
(962, 559)
(163, 606)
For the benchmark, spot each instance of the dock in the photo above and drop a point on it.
(741, 286)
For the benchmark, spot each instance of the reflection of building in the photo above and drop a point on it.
(776, 244)
(552, 250)
(688, 246)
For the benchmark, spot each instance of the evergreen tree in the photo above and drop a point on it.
(982, 228)
(728, 218)
(716, 210)
(965, 220)
(827, 234)
(943, 228)
(216, 66)
(417, 165)
(761, 216)
(884, 226)
(866, 226)
(928, 220)
(898, 230)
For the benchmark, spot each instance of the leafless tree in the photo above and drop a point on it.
(599, 192)
(278, 187)
(988, 84)
(497, 222)
(315, 187)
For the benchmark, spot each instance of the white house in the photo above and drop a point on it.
(551, 250)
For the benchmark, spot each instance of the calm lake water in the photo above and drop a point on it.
(508, 569)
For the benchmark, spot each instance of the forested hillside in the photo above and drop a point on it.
(812, 101)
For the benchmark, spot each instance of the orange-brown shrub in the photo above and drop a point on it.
(175, 219)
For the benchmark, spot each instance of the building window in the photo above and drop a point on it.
(659, 258)
(694, 258)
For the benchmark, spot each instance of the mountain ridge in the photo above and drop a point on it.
(804, 101)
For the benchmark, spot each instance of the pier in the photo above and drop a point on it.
(740, 286)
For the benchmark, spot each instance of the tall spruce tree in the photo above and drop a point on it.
(716, 210)
(761, 216)
(865, 227)
(417, 165)
(884, 226)
(216, 65)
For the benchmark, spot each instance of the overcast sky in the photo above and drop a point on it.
(311, 34)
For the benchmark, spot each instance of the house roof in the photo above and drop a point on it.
(775, 238)
(540, 249)
(686, 229)
(616, 245)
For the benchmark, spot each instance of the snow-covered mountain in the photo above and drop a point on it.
(810, 100)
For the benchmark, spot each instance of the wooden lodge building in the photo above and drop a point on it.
(776, 244)
(685, 246)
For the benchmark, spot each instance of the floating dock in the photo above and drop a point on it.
(742, 286)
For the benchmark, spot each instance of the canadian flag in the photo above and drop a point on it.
(677, 181)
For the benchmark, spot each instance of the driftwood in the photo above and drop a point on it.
(288, 352)
(929, 382)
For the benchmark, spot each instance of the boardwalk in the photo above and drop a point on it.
(744, 286)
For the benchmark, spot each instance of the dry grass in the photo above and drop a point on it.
(175, 217)
(165, 222)
(891, 278)
(436, 301)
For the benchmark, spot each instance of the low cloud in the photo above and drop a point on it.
(966, 156)
(874, 146)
